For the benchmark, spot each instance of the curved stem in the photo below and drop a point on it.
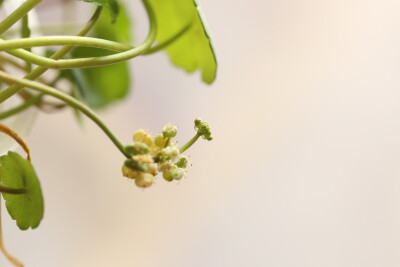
(7, 93)
(11, 133)
(13, 260)
(15, 16)
(169, 41)
(190, 143)
(63, 40)
(67, 99)
(93, 61)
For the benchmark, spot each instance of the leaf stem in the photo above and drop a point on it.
(15, 16)
(11, 133)
(67, 99)
(190, 143)
(7, 93)
(63, 40)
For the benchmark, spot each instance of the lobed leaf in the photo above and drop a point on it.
(193, 50)
(17, 172)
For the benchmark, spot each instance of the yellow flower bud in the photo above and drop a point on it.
(144, 180)
(142, 136)
(143, 158)
(129, 173)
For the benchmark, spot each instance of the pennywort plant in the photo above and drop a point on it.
(94, 64)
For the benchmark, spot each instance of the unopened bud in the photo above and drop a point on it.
(143, 159)
(169, 131)
(144, 180)
(128, 172)
(143, 137)
(175, 173)
(137, 149)
(182, 162)
(170, 152)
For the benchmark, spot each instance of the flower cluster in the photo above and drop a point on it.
(149, 155)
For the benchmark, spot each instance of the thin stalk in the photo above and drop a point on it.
(93, 61)
(13, 260)
(15, 16)
(11, 133)
(67, 99)
(63, 40)
(190, 143)
(10, 91)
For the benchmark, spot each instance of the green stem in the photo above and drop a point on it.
(63, 40)
(169, 41)
(190, 143)
(10, 91)
(26, 33)
(31, 101)
(93, 61)
(67, 99)
(15, 16)
(14, 191)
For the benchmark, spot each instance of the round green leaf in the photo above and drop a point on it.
(17, 172)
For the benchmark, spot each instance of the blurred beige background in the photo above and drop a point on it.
(303, 171)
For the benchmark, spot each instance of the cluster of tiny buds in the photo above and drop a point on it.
(149, 155)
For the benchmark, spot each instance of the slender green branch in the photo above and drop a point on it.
(15, 16)
(15, 191)
(7, 93)
(170, 40)
(189, 143)
(93, 61)
(31, 101)
(26, 33)
(5, 77)
(63, 40)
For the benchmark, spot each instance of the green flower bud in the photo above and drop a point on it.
(144, 180)
(136, 165)
(182, 162)
(169, 131)
(137, 149)
(203, 129)
(170, 152)
(166, 166)
(129, 173)
(175, 173)
(160, 140)
(143, 137)
(143, 159)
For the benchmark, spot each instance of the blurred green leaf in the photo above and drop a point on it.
(111, 5)
(17, 172)
(194, 49)
(101, 86)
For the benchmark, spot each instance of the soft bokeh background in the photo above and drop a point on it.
(303, 171)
